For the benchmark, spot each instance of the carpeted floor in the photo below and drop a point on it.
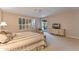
(56, 43)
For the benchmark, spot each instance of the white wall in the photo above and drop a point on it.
(12, 20)
(68, 20)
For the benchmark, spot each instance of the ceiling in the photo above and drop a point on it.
(36, 11)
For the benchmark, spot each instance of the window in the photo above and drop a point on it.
(33, 23)
(21, 23)
(26, 24)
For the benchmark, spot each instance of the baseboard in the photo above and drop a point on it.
(74, 37)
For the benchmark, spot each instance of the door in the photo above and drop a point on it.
(44, 25)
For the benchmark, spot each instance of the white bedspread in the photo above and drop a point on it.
(27, 40)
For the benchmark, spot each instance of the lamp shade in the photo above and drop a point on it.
(3, 24)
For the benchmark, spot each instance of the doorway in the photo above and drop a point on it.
(44, 25)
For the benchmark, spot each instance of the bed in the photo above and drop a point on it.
(25, 41)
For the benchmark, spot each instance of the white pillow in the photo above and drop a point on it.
(3, 38)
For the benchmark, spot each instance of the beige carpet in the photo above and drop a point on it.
(56, 43)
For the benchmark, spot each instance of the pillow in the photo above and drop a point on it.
(6, 36)
(9, 36)
(3, 38)
(13, 35)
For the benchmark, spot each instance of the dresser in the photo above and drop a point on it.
(60, 32)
